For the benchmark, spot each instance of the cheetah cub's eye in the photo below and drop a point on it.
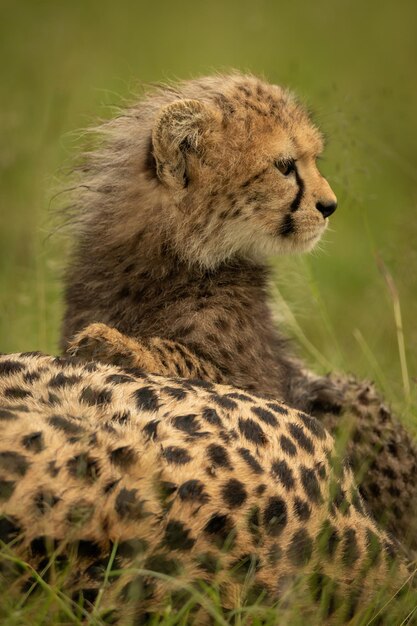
(286, 167)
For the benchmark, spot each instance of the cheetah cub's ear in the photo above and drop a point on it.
(179, 131)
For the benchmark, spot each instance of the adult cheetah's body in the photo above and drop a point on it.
(191, 480)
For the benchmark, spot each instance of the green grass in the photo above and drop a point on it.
(350, 305)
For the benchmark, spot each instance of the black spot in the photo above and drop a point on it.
(338, 499)
(278, 408)
(358, 502)
(375, 489)
(239, 396)
(163, 564)
(234, 493)
(207, 562)
(93, 397)
(7, 415)
(197, 382)
(146, 399)
(178, 456)
(252, 431)
(287, 446)
(14, 462)
(321, 470)
(301, 547)
(97, 570)
(187, 423)
(301, 438)
(254, 524)
(266, 416)
(164, 490)
(52, 469)
(8, 367)
(9, 529)
(86, 549)
(42, 546)
(63, 380)
(177, 536)
(393, 447)
(275, 516)
(211, 416)
(53, 399)
(129, 548)
(69, 427)
(373, 546)
(218, 456)
(302, 509)
(324, 591)
(250, 460)
(87, 595)
(123, 457)
(193, 490)
(350, 549)
(119, 379)
(282, 472)
(220, 528)
(121, 417)
(311, 485)
(128, 506)
(83, 466)
(224, 401)
(151, 429)
(45, 500)
(31, 377)
(327, 539)
(34, 442)
(110, 486)
(313, 425)
(260, 489)
(16, 393)
(7, 488)
(175, 392)
(287, 226)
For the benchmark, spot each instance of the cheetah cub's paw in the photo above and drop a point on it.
(99, 342)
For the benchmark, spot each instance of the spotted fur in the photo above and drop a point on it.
(188, 192)
(186, 479)
(177, 209)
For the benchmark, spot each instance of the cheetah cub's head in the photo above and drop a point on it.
(237, 157)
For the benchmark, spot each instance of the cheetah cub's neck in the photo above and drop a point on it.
(189, 192)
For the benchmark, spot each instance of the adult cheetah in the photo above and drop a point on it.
(174, 483)
(177, 209)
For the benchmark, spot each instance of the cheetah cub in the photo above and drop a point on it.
(188, 193)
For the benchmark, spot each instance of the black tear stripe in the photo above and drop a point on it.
(287, 226)
(295, 204)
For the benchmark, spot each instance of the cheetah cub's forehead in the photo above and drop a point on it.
(237, 156)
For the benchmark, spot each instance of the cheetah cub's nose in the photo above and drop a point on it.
(326, 209)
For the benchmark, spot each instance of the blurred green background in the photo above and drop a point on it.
(66, 63)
